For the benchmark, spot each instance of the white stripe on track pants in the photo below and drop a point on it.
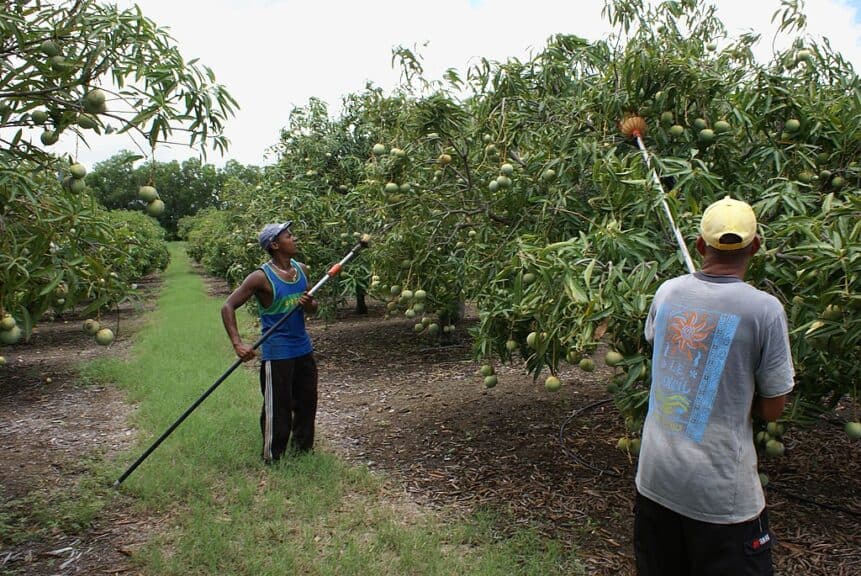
(289, 390)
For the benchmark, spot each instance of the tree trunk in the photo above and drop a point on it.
(451, 316)
(361, 306)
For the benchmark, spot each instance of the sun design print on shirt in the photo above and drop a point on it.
(689, 331)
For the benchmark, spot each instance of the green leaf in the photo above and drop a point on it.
(55, 281)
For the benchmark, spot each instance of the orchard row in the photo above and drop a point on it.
(513, 189)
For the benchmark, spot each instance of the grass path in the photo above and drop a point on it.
(313, 515)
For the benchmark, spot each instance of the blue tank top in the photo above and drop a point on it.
(291, 340)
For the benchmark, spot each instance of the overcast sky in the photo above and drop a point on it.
(273, 55)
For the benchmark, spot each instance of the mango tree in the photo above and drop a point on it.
(513, 188)
(83, 69)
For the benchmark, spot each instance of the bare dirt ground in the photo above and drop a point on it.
(417, 412)
(51, 427)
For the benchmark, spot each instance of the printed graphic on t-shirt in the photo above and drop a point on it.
(691, 348)
(285, 304)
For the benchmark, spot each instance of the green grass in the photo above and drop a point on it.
(313, 515)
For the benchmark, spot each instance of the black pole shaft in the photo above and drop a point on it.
(176, 424)
(332, 272)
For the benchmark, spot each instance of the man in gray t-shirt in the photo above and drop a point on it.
(720, 355)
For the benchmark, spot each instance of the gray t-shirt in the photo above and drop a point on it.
(715, 341)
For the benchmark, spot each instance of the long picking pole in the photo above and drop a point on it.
(333, 271)
(635, 127)
(657, 182)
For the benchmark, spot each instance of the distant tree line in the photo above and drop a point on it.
(185, 187)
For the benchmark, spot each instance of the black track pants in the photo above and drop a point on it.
(669, 544)
(289, 390)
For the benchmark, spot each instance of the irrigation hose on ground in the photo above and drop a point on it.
(574, 456)
(333, 271)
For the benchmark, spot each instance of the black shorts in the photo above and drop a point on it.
(669, 544)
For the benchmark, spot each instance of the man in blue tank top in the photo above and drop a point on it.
(288, 372)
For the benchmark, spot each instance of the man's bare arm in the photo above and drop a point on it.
(240, 296)
(768, 409)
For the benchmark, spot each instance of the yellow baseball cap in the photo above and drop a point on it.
(728, 216)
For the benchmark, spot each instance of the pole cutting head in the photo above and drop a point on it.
(365, 240)
(633, 127)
